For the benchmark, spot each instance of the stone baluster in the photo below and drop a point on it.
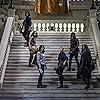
(77, 27)
(11, 13)
(60, 27)
(39, 26)
(47, 25)
(64, 26)
(56, 27)
(43, 26)
(73, 27)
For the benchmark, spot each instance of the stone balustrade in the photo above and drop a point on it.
(58, 25)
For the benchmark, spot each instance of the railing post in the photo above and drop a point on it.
(93, 21)
(11, 13)
(96, 35)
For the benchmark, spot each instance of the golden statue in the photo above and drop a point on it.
(51, 6)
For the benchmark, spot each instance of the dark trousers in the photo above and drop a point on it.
(30, 58)
(26, 34)
(41, 76)
(75, 54)
(59, 71)
(86, 76)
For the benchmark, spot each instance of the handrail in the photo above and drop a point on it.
(5, 47)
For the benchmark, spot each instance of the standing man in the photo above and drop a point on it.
(62, 63)
(41, 63)
(74, 43)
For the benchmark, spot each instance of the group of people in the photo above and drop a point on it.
(84, 67)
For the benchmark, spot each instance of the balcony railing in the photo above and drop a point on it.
(58, 25)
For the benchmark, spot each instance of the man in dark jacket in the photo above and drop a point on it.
(62, 63)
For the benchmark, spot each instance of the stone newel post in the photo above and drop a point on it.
(96, 31)
(11, 13)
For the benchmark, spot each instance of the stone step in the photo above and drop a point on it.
(25, 49)
(56, 37)
(15, 67)
(36, 73)
(57, 34)
(47, 47)
(48, 65)
(52, 39)
(51, 91)
(55, 41)
(52, 45)
(47, 59)
(27, 58)
(60, 33)
(34, 80)
(21, 80)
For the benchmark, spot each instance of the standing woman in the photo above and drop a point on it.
(27, 24)
(41, 63)
(86, 65)
(74, 43)
(32, 43)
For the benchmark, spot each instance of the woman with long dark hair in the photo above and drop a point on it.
(74, 43)
(32, 46)
(27, 24)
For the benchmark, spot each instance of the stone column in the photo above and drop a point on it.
(11, 13)
(96, 31)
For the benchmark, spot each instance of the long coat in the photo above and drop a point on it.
(85, 64)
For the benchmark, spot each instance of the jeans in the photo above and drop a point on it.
(41, 75)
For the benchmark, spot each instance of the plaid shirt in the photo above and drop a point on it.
(40, 59)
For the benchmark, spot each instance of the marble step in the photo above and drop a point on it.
(52, 39)
(47, 46)
(57, 34)
(53, 93)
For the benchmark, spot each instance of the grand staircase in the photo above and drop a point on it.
(20, 81)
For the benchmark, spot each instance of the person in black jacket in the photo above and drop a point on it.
(62, 63)
(27, 24)
(74, 43)
(86, 65)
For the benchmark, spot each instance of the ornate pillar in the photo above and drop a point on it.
(95, 28)
(11, 13)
